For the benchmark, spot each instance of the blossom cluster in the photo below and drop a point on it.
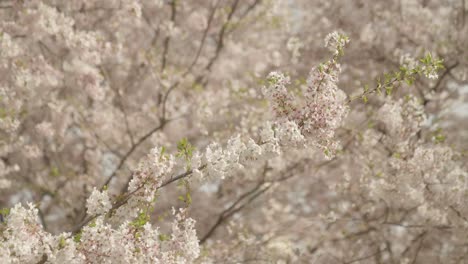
(323, 106)
(134, 240)
(89, 87)
(24, 241)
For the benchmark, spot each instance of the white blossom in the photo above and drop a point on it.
(98, 202)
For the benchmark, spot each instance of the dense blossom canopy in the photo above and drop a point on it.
(233, 131)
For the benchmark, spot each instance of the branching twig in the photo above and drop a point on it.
(167, 40)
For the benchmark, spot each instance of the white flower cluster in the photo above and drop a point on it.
(429, 180)
(9, 124)
(427, 66)
(427, 176)
(45, 129)
(238, 154)
(289, 133)
(88, 77)
(8, 47)
(406, 60)
(53, 22)
(24, 241)
(324, 105)
(149, 174)
(390, 115)
(402, 119)
(198, 21)
(335, 42)
(133, 7)
(226, 162)
(270, 143)
(282, 102)
(183, 229)
(89, 49)
(294, 45)
(98, 202)
(5, 170)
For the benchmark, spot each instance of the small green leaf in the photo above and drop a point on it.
(141, 220)
(92, 224)
(163, 150)
(163, 237)
(181, 198)
(388, 90)
(4, 212)
(409, 80)
(439, 138)
(185, 150)
(77, 237)
(365, 99)
(54, 172)
(61, 242)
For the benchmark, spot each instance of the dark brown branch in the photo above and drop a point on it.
(227, 213)
(132, 149)
(417, 250)
(415, 239)
(221, 36)
(364, 258)
(253, 194)
(167, 40)
(447, 71)
(190, 68)
(219, 48)
(246, 12)
(205, 34)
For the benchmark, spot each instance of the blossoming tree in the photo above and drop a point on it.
(211, 131)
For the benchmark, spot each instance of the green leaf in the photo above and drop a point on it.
(162, 155)
(188, 198)
(181, 198)
(5, 211)
(92, 224)
(163, 237)
(364, 98)
(185, 150)
(3, 113)
(439, 138)
(61, 242)
(141, 220)
(409, 80)
(77, 237)
(388, 90)
(54, 172)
